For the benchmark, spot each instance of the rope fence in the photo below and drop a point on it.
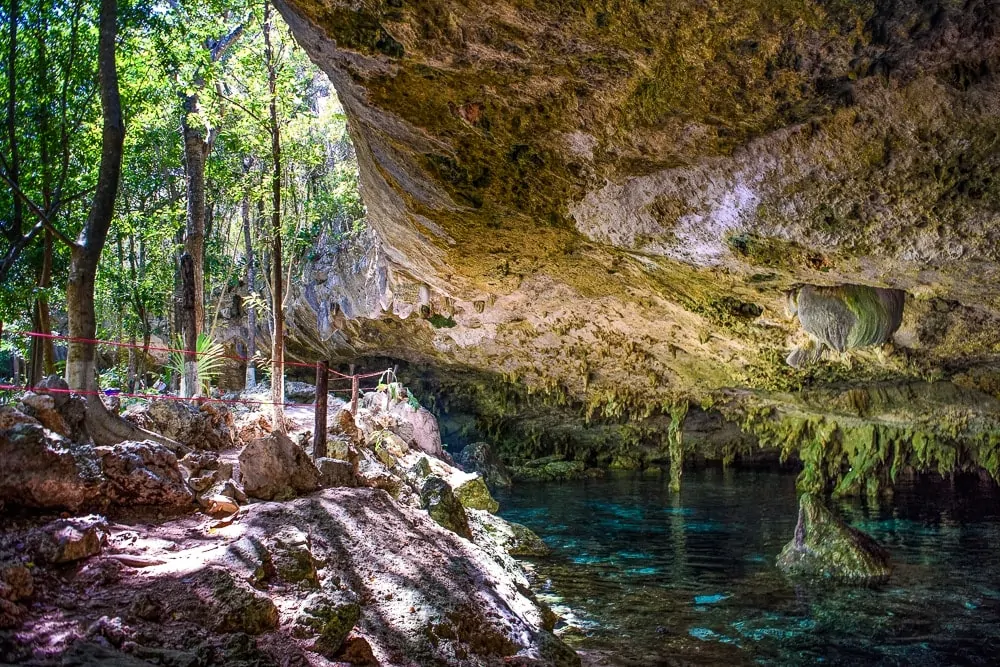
(323, 379)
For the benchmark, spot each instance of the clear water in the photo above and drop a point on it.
(645, 577)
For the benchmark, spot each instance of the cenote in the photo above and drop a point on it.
(642, 576)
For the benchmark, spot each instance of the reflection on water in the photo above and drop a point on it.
(655, 578)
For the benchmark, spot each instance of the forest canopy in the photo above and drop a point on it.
(231, 133)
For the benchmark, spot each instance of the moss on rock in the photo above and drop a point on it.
(824, 547)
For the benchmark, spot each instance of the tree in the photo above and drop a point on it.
(85, 253)
(277, 276)
(197, 145)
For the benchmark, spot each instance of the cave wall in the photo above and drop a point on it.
(607, 201)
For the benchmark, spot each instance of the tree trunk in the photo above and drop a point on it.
(251, 377)
(189, 381)
(81, 365)
(278, 335)
(195, 152)
(14, 165)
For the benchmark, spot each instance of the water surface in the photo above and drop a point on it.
(649, 577)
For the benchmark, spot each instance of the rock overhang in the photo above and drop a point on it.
(614, 203)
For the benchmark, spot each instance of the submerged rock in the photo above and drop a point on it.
(480, 457)
(276, 468)
(549, 469)
(824, 547)
(441, 503)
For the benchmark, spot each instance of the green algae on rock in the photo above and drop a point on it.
(824, 547)
(844, 318)
(473, 494)
(857, 440)
(441, 503)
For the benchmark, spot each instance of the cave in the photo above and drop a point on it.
(608, 334)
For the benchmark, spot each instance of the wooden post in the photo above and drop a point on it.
(319, 426)
(354, 391)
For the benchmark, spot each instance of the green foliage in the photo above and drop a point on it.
(439, 321)
(209, 360)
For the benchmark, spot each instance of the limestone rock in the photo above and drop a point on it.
(9, 416)
(844, 317)
(300, 392)
(473, 494)
(145, 473)
(425, 434)
(330, 615)
(344, 424)
(43, 408)
(221, 602)
(291, 556)
(824, 547)
(356, 651)
(441, 503)
(216, 504)
(480, 457)
(335, 472)
(274, 467)
(206, 426)
(375, 475)
(68, 540)
(512, 538)
(549, 469)
(250, 426)
(56, 387)
(16, 582)
(44, 470)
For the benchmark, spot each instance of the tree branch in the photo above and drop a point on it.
(43, 218)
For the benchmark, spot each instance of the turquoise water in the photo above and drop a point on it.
(644, 577)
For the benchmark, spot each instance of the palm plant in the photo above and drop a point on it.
(209, 359)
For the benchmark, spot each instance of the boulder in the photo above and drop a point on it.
(290, 554)
(549, 469)
(824, 547)
(375, 475)
(473, 494)
(441, 503)
(219, 505)
(145, 473)
(329, 615)
(209, 425)
(215, 599)
(68, 540)
(250, 426)
(56, 387)
(492, 533)
(44, 470)
(43, 408)
(300, 392)
(344, 424)
(336, 472)
(16, 584)
(274, 467)
(479, 457)
(423, 432)
(356, 651)
(11, 416)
